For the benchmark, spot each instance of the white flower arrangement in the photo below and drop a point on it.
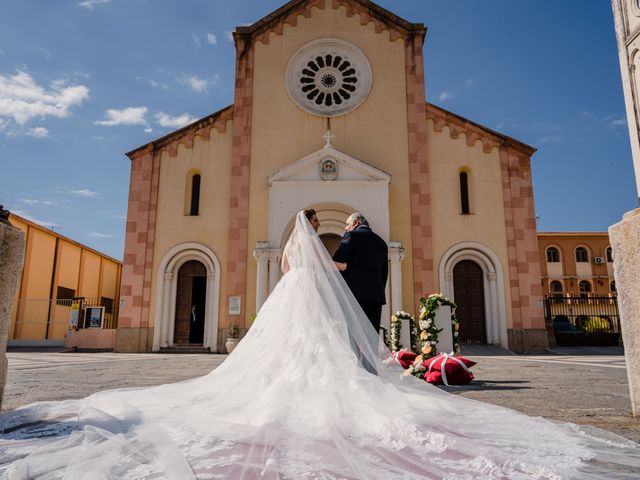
(396, 325)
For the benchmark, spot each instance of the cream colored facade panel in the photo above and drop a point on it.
(212, 159)
(486, 223)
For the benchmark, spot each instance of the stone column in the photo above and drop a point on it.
(11, 260)
(626, 265)
(165, 316)
(261, 254)
(274, 267)
(624, 235)
(396, 254)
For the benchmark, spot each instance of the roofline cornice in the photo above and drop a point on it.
(288, 13)
(474, 131)
(211, 121)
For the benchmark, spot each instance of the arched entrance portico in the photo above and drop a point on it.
(491, 289)
(167, 295)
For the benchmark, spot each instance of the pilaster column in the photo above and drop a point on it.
(396, 254)
(261, 254)
(165, 315)
(275, 254)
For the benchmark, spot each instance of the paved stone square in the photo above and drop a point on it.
(584, 389)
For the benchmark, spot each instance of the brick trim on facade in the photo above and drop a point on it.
(140, 235)
(522, 243)
(421, 229)
(236, 284)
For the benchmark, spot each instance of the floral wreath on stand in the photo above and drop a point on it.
(396, 325)
(429, 332)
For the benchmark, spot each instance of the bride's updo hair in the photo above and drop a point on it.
(309, 213)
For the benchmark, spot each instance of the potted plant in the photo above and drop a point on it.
(233, 338)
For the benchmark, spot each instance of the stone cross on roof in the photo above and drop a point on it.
(328, 136)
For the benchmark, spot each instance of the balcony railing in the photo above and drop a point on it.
(583, 319)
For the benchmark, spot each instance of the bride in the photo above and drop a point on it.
(293, 402)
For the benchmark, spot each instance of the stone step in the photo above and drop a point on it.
(185, 349)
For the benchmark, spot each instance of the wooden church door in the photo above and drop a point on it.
(468, 287)
(190, 303)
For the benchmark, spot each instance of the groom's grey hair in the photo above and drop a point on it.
(357, 217)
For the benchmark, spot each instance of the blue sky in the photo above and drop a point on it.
(83, 82)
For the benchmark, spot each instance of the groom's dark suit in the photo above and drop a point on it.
(366, 256)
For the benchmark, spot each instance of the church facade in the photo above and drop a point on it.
(329, 113)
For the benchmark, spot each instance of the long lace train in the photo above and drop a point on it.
(293, 402)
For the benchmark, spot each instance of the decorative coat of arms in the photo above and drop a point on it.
(328, 169)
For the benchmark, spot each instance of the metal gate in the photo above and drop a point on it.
(583, 320)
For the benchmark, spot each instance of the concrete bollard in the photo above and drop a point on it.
(625, 239)
(11, 261)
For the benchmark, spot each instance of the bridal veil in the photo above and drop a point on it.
(293, 401)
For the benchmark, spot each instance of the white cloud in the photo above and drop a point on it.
(85, 192)
(153, 83)
(196, 40)
(211, 38)
(228, 35)
(469, 82)
(33, 201)
(22, 99)
(148, 130)
(618, 122)
(167, 121)
(89, 4)
(197, 84)
(103, 235)
(126, 116)
(38, 132)
(444, 96)
(551, 139)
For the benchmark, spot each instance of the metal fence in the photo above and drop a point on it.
(50, 318)
(584, 319)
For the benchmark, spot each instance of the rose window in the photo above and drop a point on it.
(328, 77)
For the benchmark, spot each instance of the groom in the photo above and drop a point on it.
(366, 257)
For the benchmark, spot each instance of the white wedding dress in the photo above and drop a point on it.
(293, 402)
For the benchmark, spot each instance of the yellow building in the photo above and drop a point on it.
(59, 273)
(576, 263)
(579, 287)
(330, 113)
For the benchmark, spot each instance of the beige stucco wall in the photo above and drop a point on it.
(212, 159)
(486, 223)
(376, 132)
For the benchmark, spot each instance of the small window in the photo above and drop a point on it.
(464, 193)
(553, 255)
(195, 195)
(609, 255)
(582, 255)
(64, 296)
(555, 287)
(612, 286)
(585, 288)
